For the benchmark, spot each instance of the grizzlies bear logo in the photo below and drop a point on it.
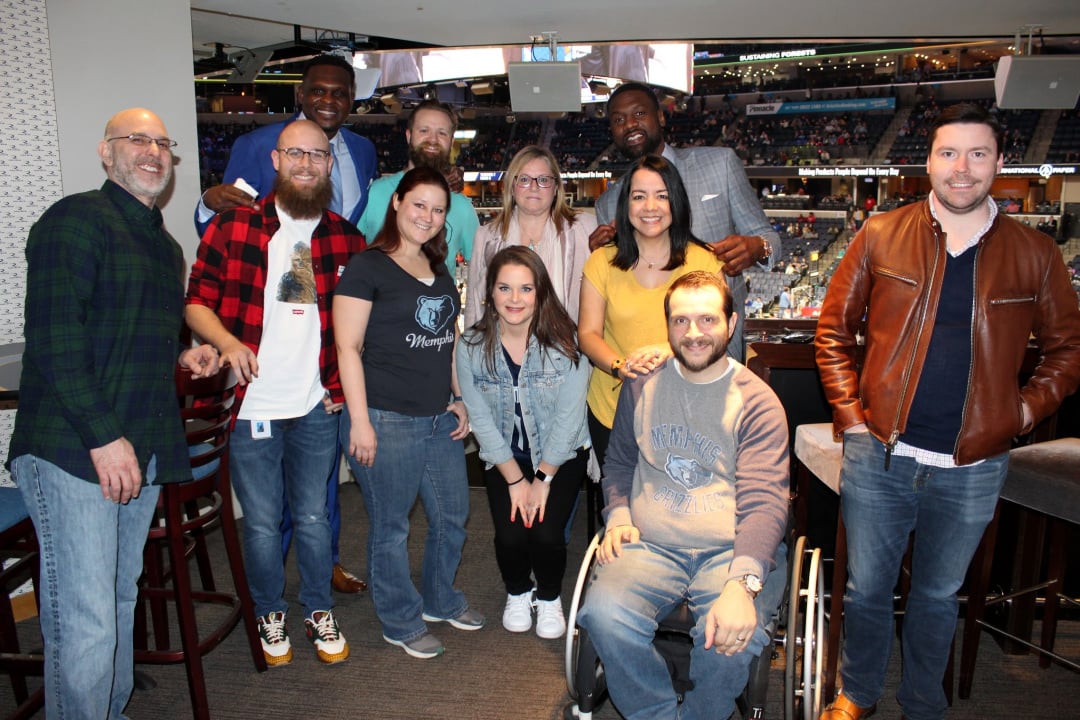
(432, 313)
(687, 472)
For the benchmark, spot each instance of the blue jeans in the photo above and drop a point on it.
(947, 509)
(626, 597)
(293, 464)
(333, 510)
(91, 559)
(415, 457)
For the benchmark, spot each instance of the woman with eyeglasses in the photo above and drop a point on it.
(536, 214)
(621, 325)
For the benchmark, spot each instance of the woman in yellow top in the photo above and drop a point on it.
(621, 326)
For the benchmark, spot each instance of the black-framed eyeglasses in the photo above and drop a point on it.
(140, 140)
(297, 154)
(542, 181)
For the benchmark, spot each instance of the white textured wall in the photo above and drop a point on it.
(108, 55)
(66, 67)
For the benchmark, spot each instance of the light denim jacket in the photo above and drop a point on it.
(552, 397)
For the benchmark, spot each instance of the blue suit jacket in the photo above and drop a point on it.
(250, 159)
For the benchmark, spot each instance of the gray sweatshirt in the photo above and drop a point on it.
(701, 465)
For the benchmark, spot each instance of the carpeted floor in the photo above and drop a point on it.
(493, 674)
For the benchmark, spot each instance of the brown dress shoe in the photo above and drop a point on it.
(345, 582)
(844, 709)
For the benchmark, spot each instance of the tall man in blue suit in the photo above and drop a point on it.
(325, 95)
(724, 208)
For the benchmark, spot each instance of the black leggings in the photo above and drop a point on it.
(541, 549)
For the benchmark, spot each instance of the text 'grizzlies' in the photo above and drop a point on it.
(689, 504)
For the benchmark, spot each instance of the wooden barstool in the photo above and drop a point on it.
(1044, 481)
(18, 542)
(186, 511)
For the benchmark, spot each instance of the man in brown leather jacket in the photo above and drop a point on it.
(951, 292)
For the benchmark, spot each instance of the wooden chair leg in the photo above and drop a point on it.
(185, 610)
(202, 554)
(979, 577)
(947, 680)
(154, 574)
(1025, 573)
(9, 643)
(236, 568)
(1055, 572)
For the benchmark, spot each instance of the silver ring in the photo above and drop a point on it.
(740, 638)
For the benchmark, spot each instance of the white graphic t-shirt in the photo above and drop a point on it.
(289, 384)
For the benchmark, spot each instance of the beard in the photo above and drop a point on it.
(652, 142)
(718, 351)
(302, 203)
(419, 158)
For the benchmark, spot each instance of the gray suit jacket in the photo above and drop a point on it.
(722, 203)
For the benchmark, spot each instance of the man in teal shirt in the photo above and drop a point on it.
(430, 135)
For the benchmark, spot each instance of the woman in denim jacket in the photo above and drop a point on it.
(524, 383)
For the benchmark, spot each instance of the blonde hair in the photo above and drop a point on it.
(561, 212)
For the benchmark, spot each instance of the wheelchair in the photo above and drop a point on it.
(797, 626)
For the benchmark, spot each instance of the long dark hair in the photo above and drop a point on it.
(627, 250)
(389, 239)
(550, 324)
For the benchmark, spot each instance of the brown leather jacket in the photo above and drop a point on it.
(893, 272)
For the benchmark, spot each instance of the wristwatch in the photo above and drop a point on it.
(766, 249)
(751, 583)
(616, 364)
(543, 476)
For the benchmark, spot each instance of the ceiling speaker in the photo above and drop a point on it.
(1037, 82)
(545, 86)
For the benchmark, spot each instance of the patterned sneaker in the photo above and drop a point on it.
(517, 617)
(550, 623)
(323, 632)
(275, 639)
(468, 620)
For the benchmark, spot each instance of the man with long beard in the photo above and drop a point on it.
(324, 96)
(243, 299)
(696, 484)
(430, 135)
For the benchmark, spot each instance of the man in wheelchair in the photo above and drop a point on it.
(696, 490)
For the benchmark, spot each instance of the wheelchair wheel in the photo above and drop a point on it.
(573, 633)
(804, 636)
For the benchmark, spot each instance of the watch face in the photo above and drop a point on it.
(753, 583)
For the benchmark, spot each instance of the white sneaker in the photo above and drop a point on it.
(550, 623)
(517, 617)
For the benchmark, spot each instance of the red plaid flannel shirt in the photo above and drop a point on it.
(229, 276)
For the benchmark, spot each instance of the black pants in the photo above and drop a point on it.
(541, 549)
(600, 435)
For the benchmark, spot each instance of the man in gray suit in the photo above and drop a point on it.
(725, 211)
